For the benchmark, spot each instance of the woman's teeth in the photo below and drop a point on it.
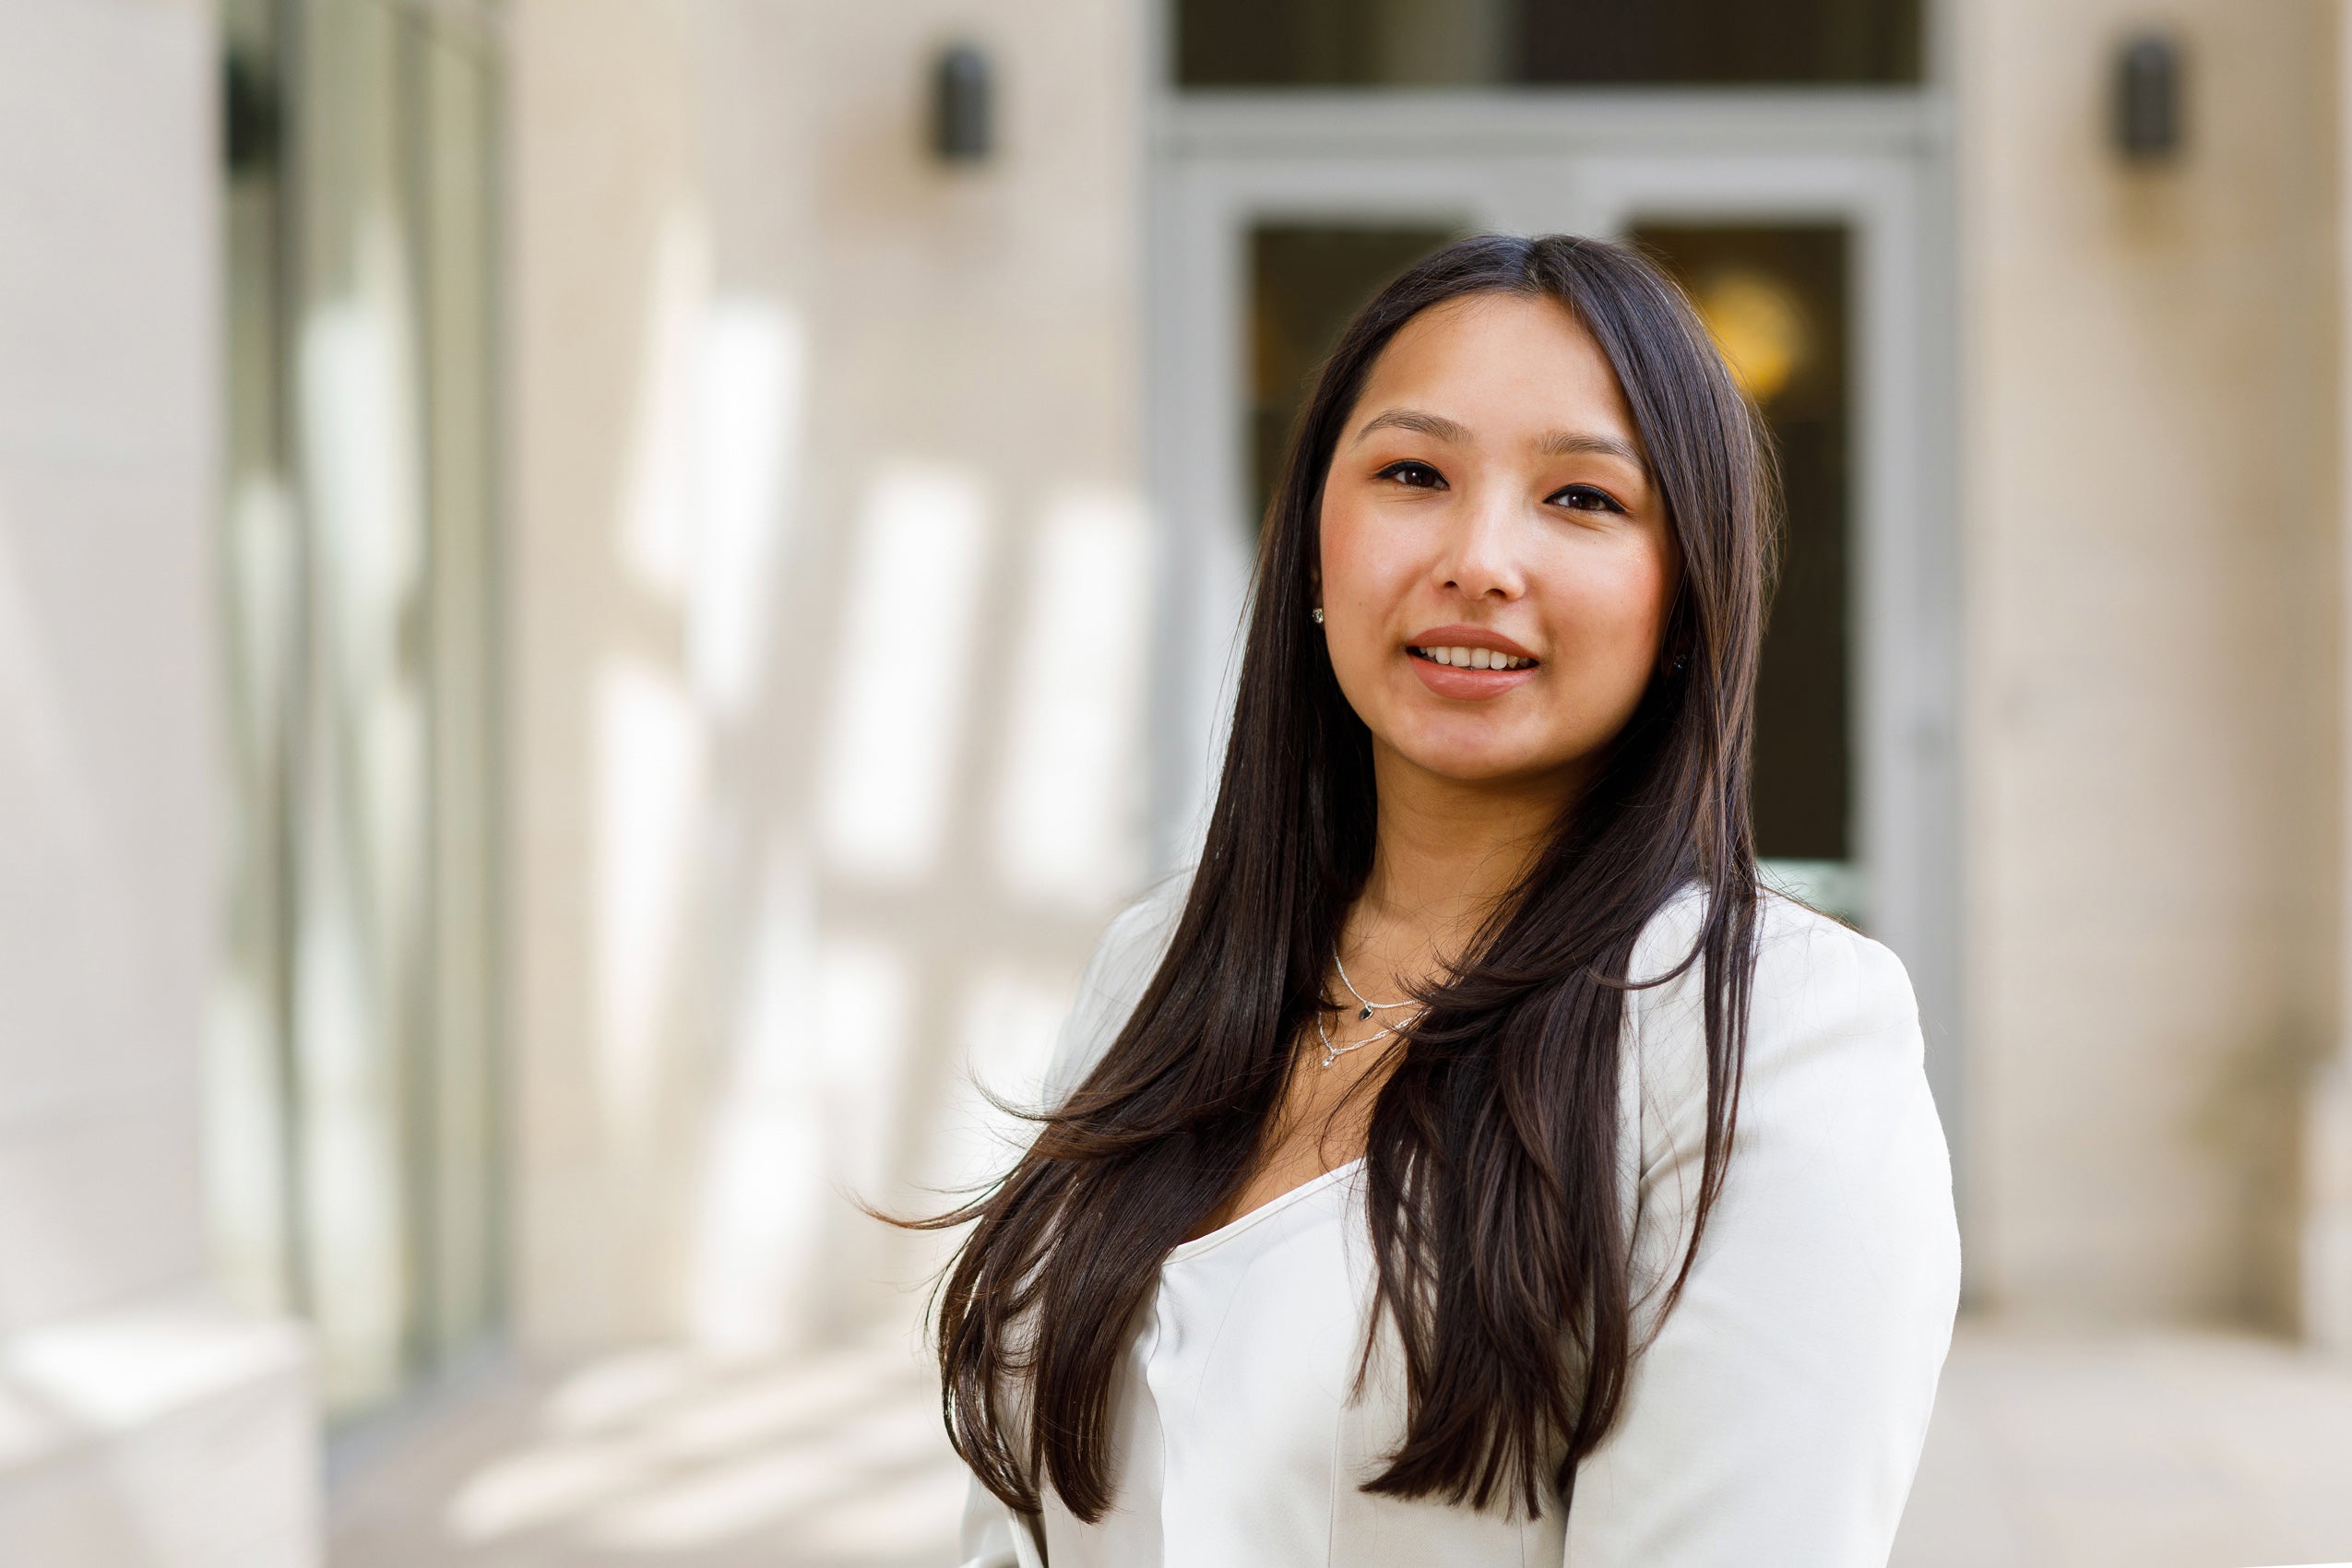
(1472, 659)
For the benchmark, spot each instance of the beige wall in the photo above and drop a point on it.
(2149, 531)
(794, 402)
(144, 1424)
(829, 630)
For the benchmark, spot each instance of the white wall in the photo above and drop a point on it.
(141, 1422)
(2149, 526)
(830, 631)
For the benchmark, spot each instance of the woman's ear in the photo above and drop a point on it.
(1674, 648)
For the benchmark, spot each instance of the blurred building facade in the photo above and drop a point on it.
(596, 617)
(143, 1418)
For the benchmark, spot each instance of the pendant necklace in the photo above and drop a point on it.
(1370, 1008)
(1331, 1049)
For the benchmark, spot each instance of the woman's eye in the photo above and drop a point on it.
(1584, 498)
(1420, 476)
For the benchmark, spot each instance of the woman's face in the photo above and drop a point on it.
(1488, 506)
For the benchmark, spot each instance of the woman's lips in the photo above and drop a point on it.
(1452, 681)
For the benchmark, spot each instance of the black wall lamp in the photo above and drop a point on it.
(2147, 98)
(252, 119)
(961, 115)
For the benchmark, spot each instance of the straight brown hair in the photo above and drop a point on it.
(1493, 1189)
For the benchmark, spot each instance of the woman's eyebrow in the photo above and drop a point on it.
(1552, 443)
(1435, 425)
(1587, 444)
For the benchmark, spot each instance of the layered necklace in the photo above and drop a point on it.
(1334, 1049)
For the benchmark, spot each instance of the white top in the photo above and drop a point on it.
(1775, 1419)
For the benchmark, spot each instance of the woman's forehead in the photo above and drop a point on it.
(1499, 367)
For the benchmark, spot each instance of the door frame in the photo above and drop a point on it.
(1587, 160)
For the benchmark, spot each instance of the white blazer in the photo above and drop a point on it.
(1775, 1419)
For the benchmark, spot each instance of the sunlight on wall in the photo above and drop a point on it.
(1070, 804)
(865, 1007)
(747, 418)
(803, 1115)
(901, 668)
(657, 523)
(701, 1059)
(649, 767)
(757, 1225)
(715, 460)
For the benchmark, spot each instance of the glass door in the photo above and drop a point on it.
(1802, 233)
(353, 1072)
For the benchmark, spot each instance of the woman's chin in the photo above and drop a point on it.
(1479, 762)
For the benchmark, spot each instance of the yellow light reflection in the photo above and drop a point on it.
(1760, 328)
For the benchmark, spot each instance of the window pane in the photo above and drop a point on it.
(1776, 300)
(455, 1182)
(1305, 281)
(354, 1124)
(358, 860)
(1429, 42)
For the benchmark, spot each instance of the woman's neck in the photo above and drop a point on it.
(1445, 855)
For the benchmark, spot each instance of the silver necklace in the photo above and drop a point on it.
(1370, 1008)
(1332, 1050)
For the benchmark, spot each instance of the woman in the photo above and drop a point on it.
(1469, 1165)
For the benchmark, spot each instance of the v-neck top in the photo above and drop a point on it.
(1775, 1416)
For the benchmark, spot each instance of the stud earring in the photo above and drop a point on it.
(1317, 612)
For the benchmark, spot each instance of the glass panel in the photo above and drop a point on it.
(248, 1160)
(1777, 298)
(1433, 42)
(1306, 281)
(362, 786)
(457, 1132)
(354, 1139)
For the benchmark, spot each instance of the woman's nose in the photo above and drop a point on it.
(1480, 558)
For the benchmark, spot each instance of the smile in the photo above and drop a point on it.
(1471, 658)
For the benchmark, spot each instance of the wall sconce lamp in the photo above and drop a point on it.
(961, 128)
(2147, 98)
(252, 120)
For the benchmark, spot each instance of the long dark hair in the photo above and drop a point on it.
(1493, 1189)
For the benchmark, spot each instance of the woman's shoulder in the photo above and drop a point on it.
(1116, 976)
(1833, 1095)
(1800, 953)
(1142, 930)
(1820, 988)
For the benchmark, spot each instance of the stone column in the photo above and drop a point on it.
(142, 1421)
(2327, 1262)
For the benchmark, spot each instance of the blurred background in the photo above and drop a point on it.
(599, 599)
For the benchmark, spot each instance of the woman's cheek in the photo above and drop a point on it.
(1604, 632)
